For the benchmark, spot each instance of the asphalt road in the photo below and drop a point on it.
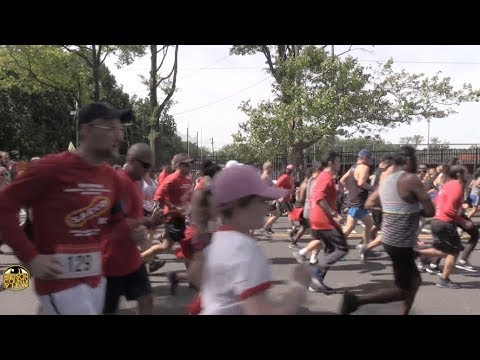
(350, 274)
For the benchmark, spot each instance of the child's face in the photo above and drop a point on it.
(251, 216)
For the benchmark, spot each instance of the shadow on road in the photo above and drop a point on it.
(305, 311)
(283, 261)
(373, 285)
(359, 266)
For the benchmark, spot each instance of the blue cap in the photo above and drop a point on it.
(364, 153)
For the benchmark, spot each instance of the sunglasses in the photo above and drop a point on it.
(145, 165)
(3, 174)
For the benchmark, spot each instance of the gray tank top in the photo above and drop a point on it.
(356, 195)
(475, 190)
(269, 182)
(306, 207)
(400, 218)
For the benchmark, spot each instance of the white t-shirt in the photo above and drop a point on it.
(148, 195)
(235, 269)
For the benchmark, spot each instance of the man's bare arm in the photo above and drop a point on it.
(418, 190)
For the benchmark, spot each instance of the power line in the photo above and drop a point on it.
(222, 99)
(425, 62)
(359, 60)
(203, 68)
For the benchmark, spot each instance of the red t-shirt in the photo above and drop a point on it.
(449, 202)
(199, 184)
(285, 182)
(161, 177)
(74, 205)
(323, 188)
(120, 252)
(175, 188)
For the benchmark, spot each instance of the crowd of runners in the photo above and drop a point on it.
(91, 233)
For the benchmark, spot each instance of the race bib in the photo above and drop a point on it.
(79, 261)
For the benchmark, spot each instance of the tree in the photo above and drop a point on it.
(76, 69)
(318, 96)
(139, 131)
(94, 57)
(364, 142)
(38, 68)
(437, 144)
(168, 85)
(35, 124)
(39, 86)
(414, 140)
(244, 153)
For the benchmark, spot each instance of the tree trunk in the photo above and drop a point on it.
(153, 100)
(295, 157)
(95, 74)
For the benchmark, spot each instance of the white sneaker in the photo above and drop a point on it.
(462, 264)
(264, 232)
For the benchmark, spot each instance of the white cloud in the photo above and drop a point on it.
(200, 87)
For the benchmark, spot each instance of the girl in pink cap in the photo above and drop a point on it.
(236, 273)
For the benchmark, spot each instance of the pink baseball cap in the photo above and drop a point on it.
(240, 181)
(290, 167)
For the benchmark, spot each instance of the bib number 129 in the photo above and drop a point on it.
(79, 263)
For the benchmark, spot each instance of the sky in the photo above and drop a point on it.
(211, 84)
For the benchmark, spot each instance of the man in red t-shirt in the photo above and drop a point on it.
(324, 222)
(126, 273)
(444, 225)
(283, 204)
(75, 197)
(167, 170)
(174, 195)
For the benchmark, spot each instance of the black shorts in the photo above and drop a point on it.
(405, 271)
(132, 286)
(284, 206)
(446, 238)
(305, 223)
(333, 239)
(377, 219)
(272, 207)
(147, 213)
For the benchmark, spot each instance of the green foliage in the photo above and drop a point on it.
(414, 140)
(318, 96)
(35, 124)
(39, 86)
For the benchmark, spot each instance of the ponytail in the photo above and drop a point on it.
(202, 207)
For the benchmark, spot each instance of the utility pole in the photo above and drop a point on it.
(74, 115)
(428, 134)
(333, 51)
(188, 143)
(213, 152)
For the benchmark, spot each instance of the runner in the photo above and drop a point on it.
(400, 195)
(236, 274)
(126, 273)
(79, 201)
(298, 212)
(325, 223)
(444, 227)
(385, 163)
(355, 181)
(174, 196)
(283, 204)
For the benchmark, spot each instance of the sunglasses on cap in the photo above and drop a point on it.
(145, 165)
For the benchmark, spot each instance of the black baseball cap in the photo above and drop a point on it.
(100, 110)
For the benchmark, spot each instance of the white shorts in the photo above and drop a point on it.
(79, 300)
